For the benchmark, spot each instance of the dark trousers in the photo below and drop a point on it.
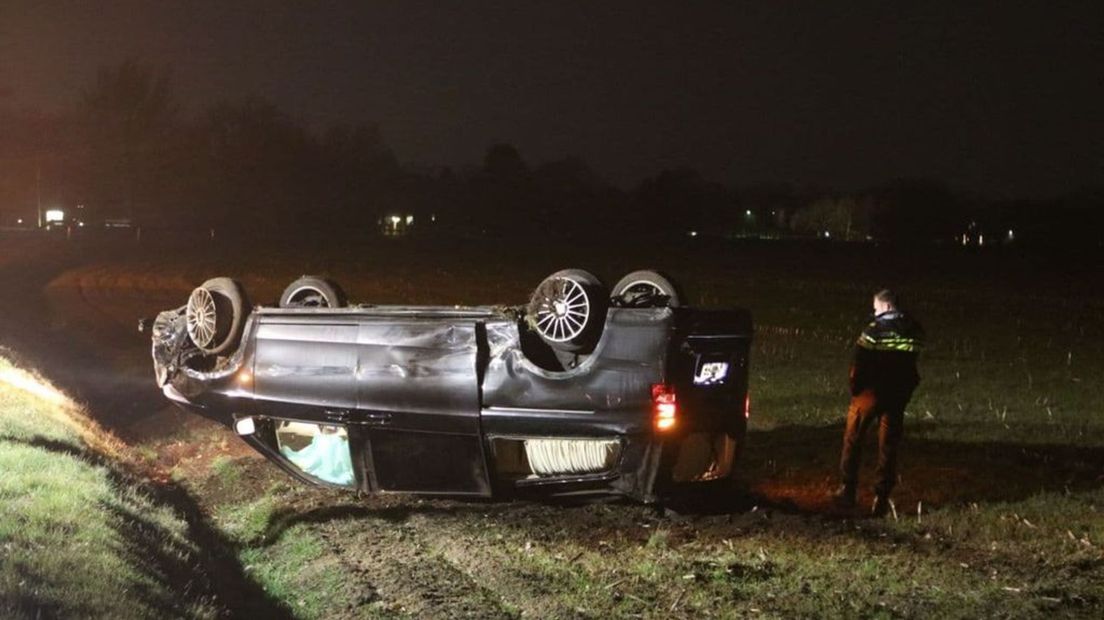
(866, 408)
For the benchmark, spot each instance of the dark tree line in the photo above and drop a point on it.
(125, 151)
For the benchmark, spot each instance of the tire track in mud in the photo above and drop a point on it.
(527, 553)
(402, 573)
(493, 566)
(446, 558)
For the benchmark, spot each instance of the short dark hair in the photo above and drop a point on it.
(887, 296)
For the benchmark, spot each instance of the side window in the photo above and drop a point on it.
(320, 450)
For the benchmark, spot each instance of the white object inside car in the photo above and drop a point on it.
(550, 457)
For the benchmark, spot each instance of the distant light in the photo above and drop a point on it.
(245, 426)
(693, 233)
(748, 212)
(55, 215)
(827, 235)
(409, 220)
(80, 224)
(395, 219)
(19, 221)
(981, 239)
(1011, 235)
(433, 217)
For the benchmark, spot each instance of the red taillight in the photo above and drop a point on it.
(665, 407)
(747, 405)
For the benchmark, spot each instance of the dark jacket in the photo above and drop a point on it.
(885, 355)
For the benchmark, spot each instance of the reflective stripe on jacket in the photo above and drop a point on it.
(885, 354)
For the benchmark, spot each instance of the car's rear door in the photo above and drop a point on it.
(417, 387)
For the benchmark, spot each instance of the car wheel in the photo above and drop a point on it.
(215, 315)
(568, 310)
(313, 292)
(647, 289)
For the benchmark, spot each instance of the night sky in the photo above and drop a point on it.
(997, 98)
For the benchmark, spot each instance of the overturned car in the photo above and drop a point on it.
(582, 390)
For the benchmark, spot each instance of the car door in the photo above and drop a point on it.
(418, 397)
(304, 388)
(307, 361)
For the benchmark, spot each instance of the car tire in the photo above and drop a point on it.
(647, 289)
(215, 315)
(568, 310)
(313, 292)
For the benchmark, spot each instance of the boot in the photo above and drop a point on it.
(844, 496)
(881, 506)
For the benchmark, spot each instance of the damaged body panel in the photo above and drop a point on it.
(466, 401)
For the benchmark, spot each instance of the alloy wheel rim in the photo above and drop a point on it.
(564, 311)
(201, 316)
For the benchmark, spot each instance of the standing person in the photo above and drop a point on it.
(883, 376)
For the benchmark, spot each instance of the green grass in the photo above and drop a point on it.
(79, 538)
(248, 521)
(299, 570)
(295, 567)
(224, 469)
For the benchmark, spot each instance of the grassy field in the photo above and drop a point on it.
(998, 511)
